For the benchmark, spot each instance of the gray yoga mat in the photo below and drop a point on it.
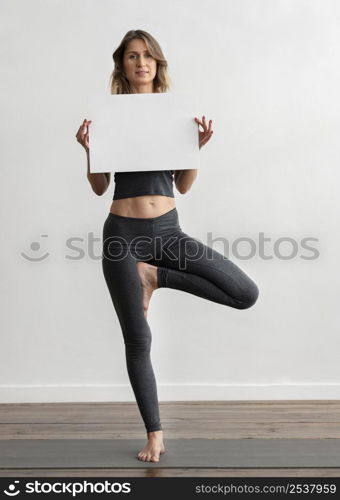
(192, 453)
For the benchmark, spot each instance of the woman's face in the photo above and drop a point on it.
(139, 66)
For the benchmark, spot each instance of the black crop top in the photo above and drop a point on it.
(130, 184)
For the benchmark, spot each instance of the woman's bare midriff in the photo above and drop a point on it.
(143, 206)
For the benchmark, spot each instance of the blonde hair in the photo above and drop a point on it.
(119, 83)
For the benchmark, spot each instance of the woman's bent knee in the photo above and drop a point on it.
(250, 297)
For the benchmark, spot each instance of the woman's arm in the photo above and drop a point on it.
(99, 181)
(184, 179)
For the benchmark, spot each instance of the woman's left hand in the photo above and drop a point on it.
(207, 132)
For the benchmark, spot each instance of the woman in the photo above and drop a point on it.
(144, 209)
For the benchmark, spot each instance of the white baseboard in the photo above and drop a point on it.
(168, 392)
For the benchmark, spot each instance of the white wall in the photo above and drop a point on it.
(267, 73)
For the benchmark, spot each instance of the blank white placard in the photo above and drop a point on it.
(140, 132)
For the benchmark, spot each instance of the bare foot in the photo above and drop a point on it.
(148, 278)
(153, 448)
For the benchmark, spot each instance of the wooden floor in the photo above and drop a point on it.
(198, 419)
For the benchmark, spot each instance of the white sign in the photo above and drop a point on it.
(140, 132)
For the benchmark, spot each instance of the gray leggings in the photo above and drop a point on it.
(183, 263)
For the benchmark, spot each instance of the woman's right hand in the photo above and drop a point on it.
(83, 134)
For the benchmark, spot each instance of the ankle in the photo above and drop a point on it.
(151, 274)
(155, 276)
(155, 434)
